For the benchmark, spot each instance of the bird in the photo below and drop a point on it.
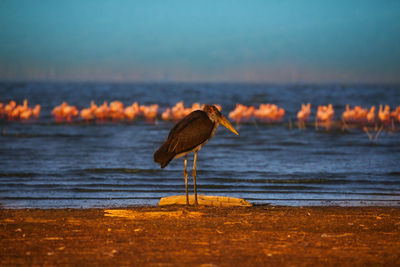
(189, 135)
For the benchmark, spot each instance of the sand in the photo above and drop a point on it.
(203, 236)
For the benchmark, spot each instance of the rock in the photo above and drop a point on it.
(217, 201)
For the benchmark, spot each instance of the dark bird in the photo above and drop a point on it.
(190, 135)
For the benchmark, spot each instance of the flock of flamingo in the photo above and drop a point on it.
(179, 111)
(19, 112)
(269, 113)
(115, 111)
(264, 113)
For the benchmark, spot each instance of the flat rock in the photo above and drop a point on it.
(217, 201)
(132, 214)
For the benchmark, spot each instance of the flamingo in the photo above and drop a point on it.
(8, 109)
(236, 114)
(58, 111)
(36, 111)
(69, 112)
(384, 114)
(102, 112)
(166, 115)
(150, 112)
(132, 111)
(371, 115)
(303, 115)
(325, 115)
(178, 111)
(116, 110)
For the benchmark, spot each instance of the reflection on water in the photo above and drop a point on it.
(47, 164)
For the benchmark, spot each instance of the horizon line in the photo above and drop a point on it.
(157, 81)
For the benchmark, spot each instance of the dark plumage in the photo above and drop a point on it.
(191, 132)
(189, 135)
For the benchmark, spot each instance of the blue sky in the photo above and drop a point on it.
(284, 41)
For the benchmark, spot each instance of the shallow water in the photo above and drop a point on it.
(46, 164)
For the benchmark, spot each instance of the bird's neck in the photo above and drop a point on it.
(215, 122)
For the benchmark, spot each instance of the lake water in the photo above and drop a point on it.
(44, 164)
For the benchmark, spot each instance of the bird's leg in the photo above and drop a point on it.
(185, 173)
(194, 178)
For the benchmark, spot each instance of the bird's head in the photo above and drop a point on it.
(216, 116)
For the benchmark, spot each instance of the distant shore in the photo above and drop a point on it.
(208, 236)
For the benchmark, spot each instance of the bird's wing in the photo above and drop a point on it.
(190, 132)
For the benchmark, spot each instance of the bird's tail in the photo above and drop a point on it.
(162, 155)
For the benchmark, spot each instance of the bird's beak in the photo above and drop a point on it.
(224, 121)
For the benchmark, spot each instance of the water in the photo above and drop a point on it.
(44, 164)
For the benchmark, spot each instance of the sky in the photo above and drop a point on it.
(278, 41)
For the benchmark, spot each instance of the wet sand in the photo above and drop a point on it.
(207, 236)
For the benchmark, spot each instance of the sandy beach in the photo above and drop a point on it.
(203, 236)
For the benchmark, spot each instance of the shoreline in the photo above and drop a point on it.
(141, 206)
(276, 203)
(181, 236)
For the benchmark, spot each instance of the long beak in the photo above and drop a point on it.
(224, 121)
